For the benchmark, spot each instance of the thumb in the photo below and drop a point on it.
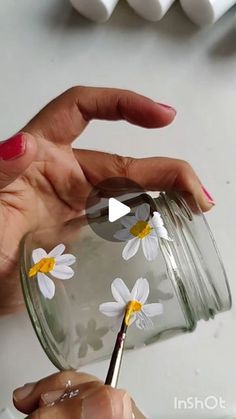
(98, 402)
(16, 154)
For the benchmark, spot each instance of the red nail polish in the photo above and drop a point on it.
(169, 108)
(12, 148)
(209, 197)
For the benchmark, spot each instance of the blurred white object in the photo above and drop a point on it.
(97, 10)
(153, 10)
(6, 414)
(206, 12)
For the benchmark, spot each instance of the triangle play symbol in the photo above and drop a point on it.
(117, 210)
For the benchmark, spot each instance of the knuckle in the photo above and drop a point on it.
(122, 165)
(73, 93)
(64, 378)
(184, 166)
(74, 90)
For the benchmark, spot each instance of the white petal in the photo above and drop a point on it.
(131, 248)
(65, 259)
(140, 291)
(133, 318)
(112, 309)
(150, 247)
(163, 234)
(154, 309)
(62, 272)
(123, 235)
(158, 225)
(128, 222)
(142, 212)
(143, 322)
(57, 251)
(120, 291)
(38, 254)
(117, 322)
(46, 285)
(157, 220)
(153, 233)
(160, 232)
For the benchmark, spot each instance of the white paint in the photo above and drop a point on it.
(153, 10)
(206, 12)
(97, 10)
(117, 210)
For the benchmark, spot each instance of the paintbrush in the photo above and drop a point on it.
(117, 354)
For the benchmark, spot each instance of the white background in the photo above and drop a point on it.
(45, 47)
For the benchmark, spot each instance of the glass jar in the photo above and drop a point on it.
(182, 278)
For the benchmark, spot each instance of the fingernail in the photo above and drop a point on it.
(127, 407)
(12, 148)
(209, 197)
(52, 396)
(22, 393)
(169, 108)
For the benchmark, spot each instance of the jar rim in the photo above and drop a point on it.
(196, 289)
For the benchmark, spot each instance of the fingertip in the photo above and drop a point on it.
(30, 144)
(163, 115)
(206, 205)
(204, 199)
(208, 196)
(16, 155)
(167, 108)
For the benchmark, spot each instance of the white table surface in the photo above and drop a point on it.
(45, 47)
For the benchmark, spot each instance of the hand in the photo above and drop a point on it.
(52, 397)
(43, 180)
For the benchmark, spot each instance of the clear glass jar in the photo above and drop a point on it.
(187, 277)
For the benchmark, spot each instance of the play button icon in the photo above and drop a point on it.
(117, 210)
(110, 201)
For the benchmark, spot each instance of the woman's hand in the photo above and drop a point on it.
(70, 395)
(43, 180)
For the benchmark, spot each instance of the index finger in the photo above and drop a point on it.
(63, 119)
(27, 398)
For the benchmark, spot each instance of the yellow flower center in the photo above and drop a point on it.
(141, 229)
(132, 307)
(45, 265)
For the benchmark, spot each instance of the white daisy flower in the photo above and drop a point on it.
(139, 228)
(53, 263)
(134, 301)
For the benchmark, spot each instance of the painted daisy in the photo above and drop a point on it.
(90, 336)
(139, 228)
(54, 263)
(133, 302)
